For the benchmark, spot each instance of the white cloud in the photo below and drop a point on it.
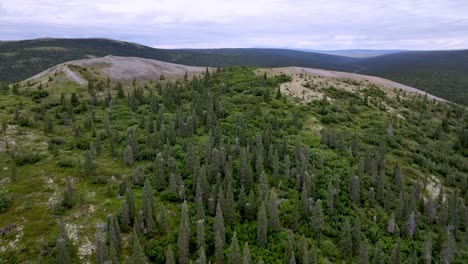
(318, 24)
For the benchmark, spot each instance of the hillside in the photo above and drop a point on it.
(442, 73)
(22, 59)
(230, 168)
(128, 69)
(117, 69)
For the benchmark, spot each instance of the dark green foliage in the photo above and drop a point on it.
(138, 255)
(219, 223)
(246, 257)
(170, 255)
(395, 257)
(244, 166)
(262, 226)
(148, 209)
(184, 235)
(219, 245)
(67, 200)
(317, 217)
(5, 201)
(346, 239)
(273, 212)
(13, 172)
(234, 251)
(63, 247)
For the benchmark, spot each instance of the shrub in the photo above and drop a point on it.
(38, 94)
(66, 163)
(23, 158)
(5, 201)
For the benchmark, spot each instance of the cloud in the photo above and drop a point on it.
(305, 24)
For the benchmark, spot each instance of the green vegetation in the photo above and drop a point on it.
(225, 169)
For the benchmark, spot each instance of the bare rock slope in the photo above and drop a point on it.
(337, 79)
(121, 69)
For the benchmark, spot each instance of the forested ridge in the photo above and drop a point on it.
(227, 169)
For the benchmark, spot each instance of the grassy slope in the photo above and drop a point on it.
(418, 146)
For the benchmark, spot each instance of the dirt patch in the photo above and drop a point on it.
(296, 89)
(433, 187)
(19, 230)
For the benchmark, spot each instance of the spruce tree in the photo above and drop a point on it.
(364, 252)
(63, 247)
(246, 258)
(131, 204)
(427, 254)
(13, 172)
(148, 208)
(170, 255)
(448, 247)
(124, 217)
(391, 224)
(201, 256)
(67, 201)
(395, 256)
(290, 244)
(219, 222)
(219, 248)
(102, 254)
(275, 164)
(262, 226)
(411, 225)
(113, 234)
(138, 255)
(200, 207)
(356, 242)
(295, 214)
(331, 198)
(355, 190)
(234, 252)
(90, 168)
(273, 212)
(245, 171)
(378, 257)
(292, 260)
(230, 207)
(162, 219)
(263, 187)
(200, 233)
(184, 235)
(317, 218)
(346, 239)
(159, 173)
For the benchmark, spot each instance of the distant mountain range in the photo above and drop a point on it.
(442, 73)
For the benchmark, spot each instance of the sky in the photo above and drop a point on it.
(296, 24)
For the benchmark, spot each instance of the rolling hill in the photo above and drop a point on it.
(442, 73)
(127, 69)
